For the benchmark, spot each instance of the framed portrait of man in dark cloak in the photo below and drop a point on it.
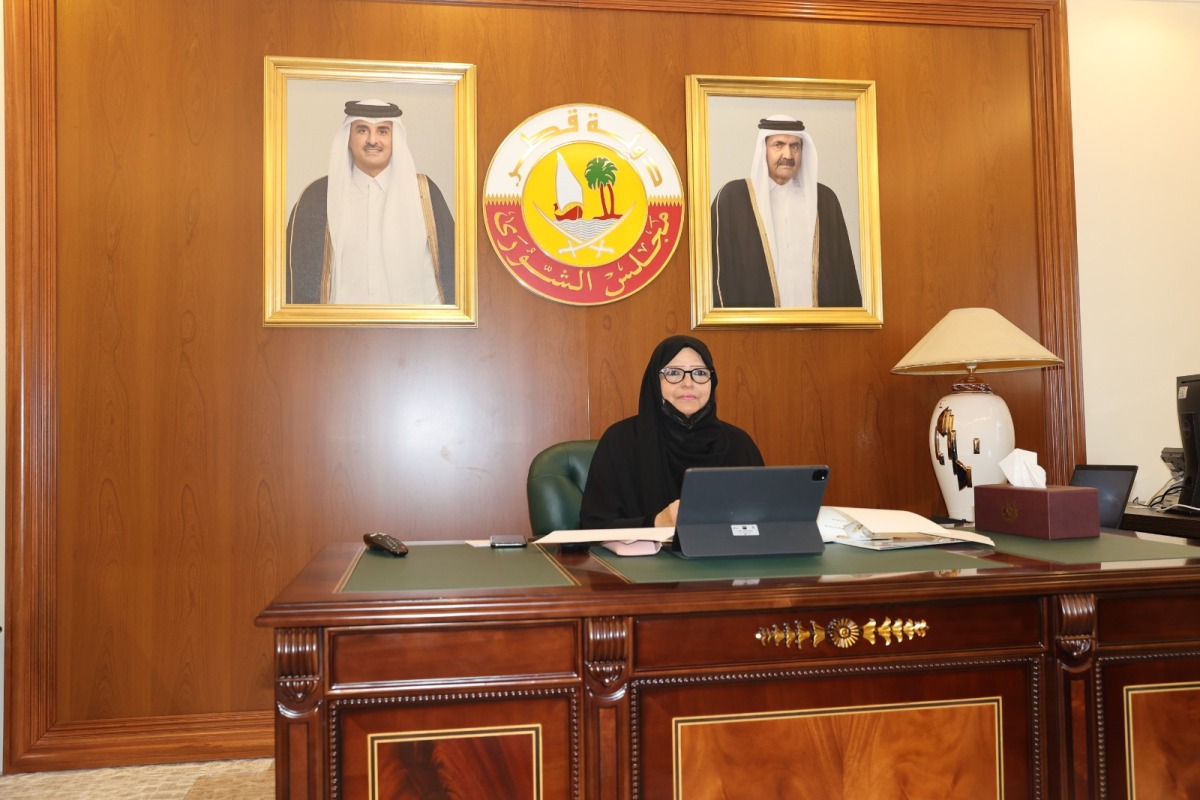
(784, 202)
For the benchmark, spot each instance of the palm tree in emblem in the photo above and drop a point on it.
(602, 173)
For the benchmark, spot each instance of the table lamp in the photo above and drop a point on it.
(971, 429)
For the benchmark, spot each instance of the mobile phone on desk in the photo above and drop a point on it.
(503, 541)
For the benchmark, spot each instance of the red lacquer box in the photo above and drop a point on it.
(1056, 512)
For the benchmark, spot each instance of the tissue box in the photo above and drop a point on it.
(1056, 512)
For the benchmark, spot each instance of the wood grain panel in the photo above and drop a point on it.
(497, 764)
(520, 745)
(173, 463)
(1145, 702)
(448, 655)
(836, 756)
(926, 750)
(1161, 741)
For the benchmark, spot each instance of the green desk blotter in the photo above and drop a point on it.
(449, 567)
(1104, 548)
(836, 560)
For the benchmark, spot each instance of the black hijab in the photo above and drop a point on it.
(667, 441)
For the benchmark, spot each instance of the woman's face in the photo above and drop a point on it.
(687, 396)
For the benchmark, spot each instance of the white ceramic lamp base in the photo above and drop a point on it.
(970, 433)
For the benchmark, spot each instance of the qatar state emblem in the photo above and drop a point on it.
(583, 204)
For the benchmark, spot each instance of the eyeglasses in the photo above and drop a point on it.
(675, 374)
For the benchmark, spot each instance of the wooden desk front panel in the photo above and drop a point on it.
(395, 732)
(517, 743)
(449, 654)
(717, 640)
(840, 732)
(954, 712)
(1147, 620)
(1146, 693)
(1039, 681)
(515, 736)
(1148, 725)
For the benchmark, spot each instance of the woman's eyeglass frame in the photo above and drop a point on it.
(708, 374)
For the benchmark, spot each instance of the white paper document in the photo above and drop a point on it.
(884, 529)
(608, 535)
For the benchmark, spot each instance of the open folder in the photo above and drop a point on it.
(883, 529)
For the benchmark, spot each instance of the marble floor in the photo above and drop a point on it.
(252, 779)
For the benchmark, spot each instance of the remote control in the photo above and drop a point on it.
(385, 543)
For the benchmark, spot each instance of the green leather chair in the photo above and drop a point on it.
(555, 484)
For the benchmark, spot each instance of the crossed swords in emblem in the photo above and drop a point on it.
(596, 243)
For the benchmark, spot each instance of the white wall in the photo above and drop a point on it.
(1134, 66)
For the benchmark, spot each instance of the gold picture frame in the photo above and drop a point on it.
(723, 117)
(306, 107)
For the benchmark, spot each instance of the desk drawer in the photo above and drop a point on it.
(1161, 618)
(452, 653)
(723, 640)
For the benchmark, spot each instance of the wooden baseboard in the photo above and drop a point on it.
(158, 740)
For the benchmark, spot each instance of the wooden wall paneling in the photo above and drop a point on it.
(31, 467)
(1058, 256)
(204, 459)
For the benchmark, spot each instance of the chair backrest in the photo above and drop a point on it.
(1112, 483)
(555, 484)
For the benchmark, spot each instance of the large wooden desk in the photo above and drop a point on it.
(995, 675)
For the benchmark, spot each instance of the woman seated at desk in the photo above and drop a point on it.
(636, 473)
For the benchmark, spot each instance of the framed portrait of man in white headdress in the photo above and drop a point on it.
(369, 193)
(784, 202)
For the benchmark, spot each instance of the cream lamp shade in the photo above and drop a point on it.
(972, 429)
(974, 340)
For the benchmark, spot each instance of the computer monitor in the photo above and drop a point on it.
(1187, 397)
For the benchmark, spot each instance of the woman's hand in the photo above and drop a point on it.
(666, 517)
